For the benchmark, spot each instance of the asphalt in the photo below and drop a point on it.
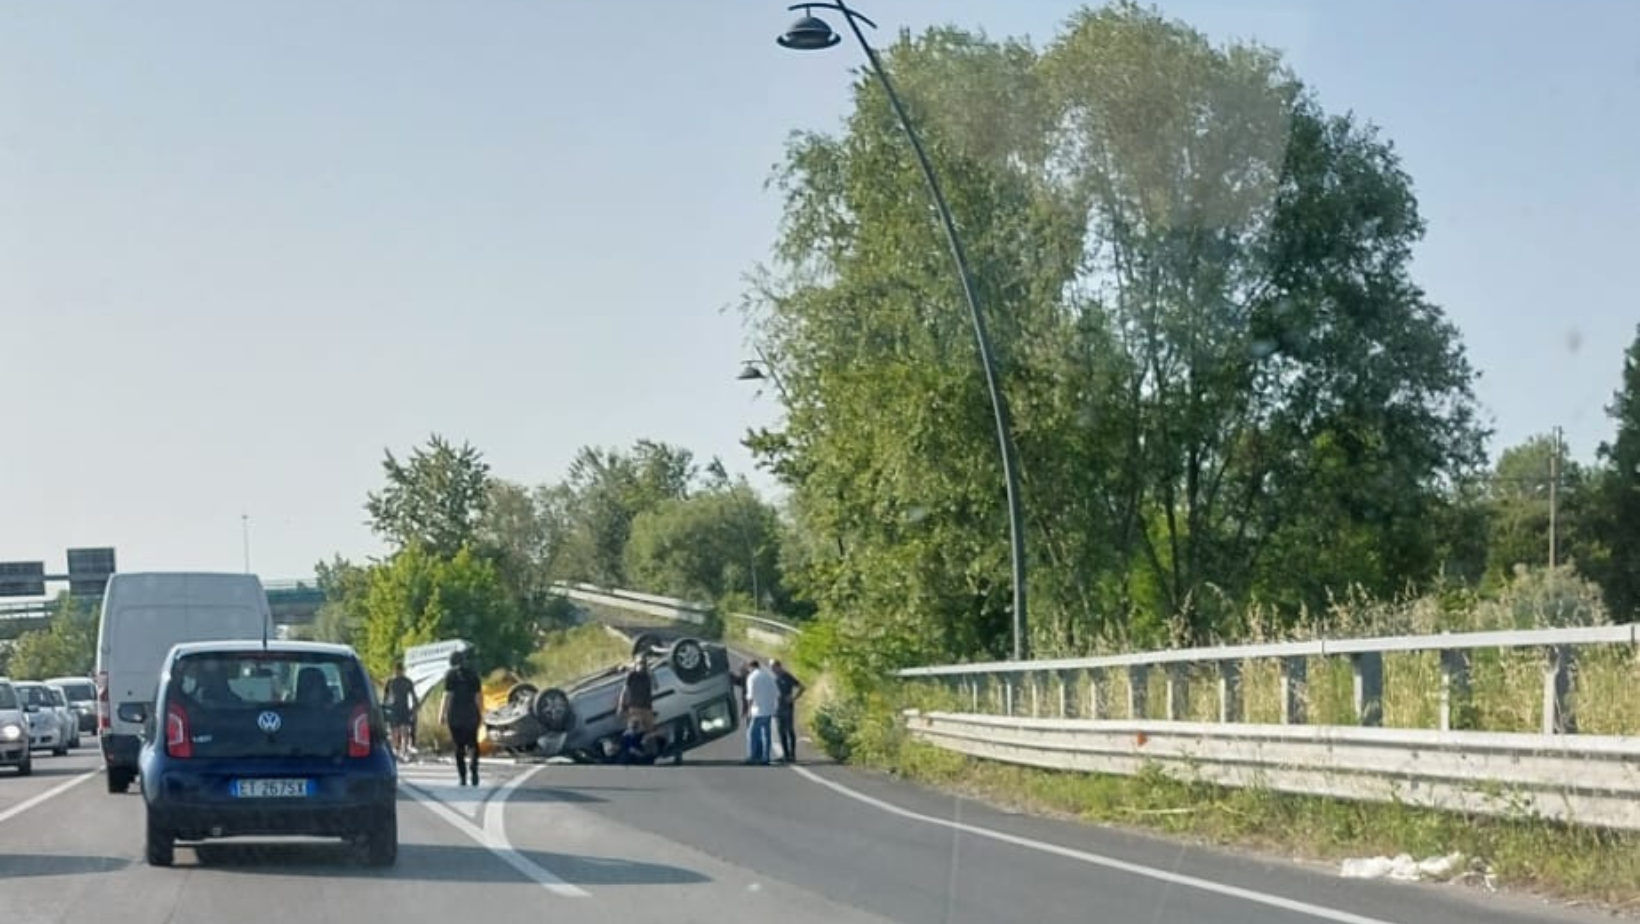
(712, 840)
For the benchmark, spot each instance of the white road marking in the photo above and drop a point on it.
(54, 791)
(1094, 859)
(493, 836)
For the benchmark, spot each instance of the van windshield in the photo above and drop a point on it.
(8, 697)
(143, 635)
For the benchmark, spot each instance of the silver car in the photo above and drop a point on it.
(14, 736)
(82, 699)
(46, 724)
(693, 705)
(68, 719)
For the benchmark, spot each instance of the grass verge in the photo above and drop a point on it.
(1529, 855)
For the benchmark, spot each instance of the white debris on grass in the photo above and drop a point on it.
(1403, 868)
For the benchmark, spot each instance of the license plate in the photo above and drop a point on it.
(271, 789)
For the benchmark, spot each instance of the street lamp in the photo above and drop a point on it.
(811, 33)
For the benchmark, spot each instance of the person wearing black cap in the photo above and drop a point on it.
(462, 709)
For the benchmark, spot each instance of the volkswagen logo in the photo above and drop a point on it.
(268, 722)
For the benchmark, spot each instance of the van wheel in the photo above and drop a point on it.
(381, 843)
(119, 779)
(689, 661)
(552, 709)
(160, 847)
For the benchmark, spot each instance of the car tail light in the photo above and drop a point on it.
(358, 732)
(178, 743)
(105, 717)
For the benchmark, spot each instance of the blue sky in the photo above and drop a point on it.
(246, 247)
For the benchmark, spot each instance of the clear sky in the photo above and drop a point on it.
(246, 247)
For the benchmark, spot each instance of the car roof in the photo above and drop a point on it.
(26, 683)
(248, 645)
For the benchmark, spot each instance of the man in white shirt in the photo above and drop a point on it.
(762, 702)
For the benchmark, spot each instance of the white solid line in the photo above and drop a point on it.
(497, 842)
(57, 790)
(1094, 859)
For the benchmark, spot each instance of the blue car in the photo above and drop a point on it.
(253, 738)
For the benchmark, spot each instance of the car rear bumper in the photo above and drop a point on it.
(194, 822)
(197, 805)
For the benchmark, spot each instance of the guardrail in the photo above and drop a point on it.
(1555, 773)
(761, 628)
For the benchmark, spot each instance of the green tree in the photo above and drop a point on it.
(605, 490)
(419, 597)
(341, 617)
(435, 499)
(66, 647)
(1225, 385)
(709, 546)
(1617, 520)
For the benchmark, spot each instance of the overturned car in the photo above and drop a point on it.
(693, 704)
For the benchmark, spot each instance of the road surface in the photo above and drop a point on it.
(711, 841)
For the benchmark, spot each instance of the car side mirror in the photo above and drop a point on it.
(135, 713)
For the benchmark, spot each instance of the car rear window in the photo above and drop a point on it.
(8, 697)
(35, 696)
(79, 692)
(269, 678)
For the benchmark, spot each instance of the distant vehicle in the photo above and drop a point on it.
(48, 729)
(68, 721)
(693, 702)
(143, 615)
(82, 698)
(14, 735)
(256, 739)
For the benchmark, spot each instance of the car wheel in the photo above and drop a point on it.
(689, 661)
(60, 750)
(119, 779)
(551, 708)
(645, 643)
(160, 847)
(381, 843)
(521, 693)
(27, 765)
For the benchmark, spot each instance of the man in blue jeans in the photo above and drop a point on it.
(762, 702)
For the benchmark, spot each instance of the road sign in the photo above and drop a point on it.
(22, 578)
(88, 571)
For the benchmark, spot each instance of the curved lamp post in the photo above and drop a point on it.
(810, 33)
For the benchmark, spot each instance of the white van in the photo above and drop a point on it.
(143, 615)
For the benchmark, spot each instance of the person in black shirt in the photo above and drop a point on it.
(636, 703)
(400, 702)
(786, 715)
(463, 708)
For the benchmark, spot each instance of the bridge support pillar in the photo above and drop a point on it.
(1368, 668)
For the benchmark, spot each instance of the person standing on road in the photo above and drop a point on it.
(461, 712)
(762, 702)
(400, 702)
(790, 690)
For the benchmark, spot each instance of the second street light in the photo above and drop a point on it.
(810, 33)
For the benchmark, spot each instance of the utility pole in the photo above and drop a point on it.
(245, 532)
(1554, 494)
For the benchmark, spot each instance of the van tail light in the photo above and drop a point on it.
(105, 715)
(358, 732)
(178, 742)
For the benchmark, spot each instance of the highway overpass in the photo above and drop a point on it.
(294, 601)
